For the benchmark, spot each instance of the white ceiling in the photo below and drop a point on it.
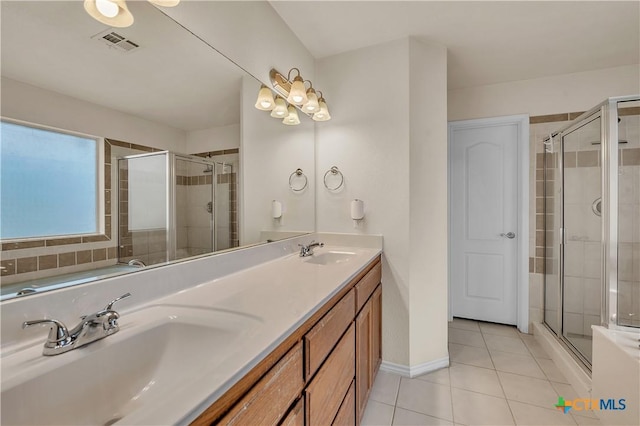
(174, 78)
(488, 42)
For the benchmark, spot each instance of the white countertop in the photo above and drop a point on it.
(270, 300)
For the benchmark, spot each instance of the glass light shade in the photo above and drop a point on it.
(280, 110)
(298, 94)
(265, 100)
(323, 113)
(165, 3)
(122, 17)
(107, 8)
(291, 119)
(312, 105)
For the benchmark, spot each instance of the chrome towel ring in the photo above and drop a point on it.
(333, 171)
(298, 175)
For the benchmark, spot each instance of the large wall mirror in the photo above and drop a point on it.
(135, 147)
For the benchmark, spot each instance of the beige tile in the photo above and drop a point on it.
(517, 364)
(83, 256)
(466, 337)
(424, 397)
(67, 259)
(499, 329)
(477, 379)
(535, 348)
(526, 414)
(528, 390)
(411, 418)
(464, 324)
(385, 388)
(478, 409)
(586, 421)
(505, 344)
(377, 414)
(470, 355)
(440, 376)
(552, 371)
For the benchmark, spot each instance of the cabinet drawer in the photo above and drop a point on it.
(268, 401)
(296, 415)
(325, 393)
(347, 413)
(366, 285)
(321, 339)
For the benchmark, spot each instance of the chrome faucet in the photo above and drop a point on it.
(93, 327)
(308, 250)
(137, 262)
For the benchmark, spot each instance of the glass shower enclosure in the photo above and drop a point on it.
(592, 224)
(171, 206)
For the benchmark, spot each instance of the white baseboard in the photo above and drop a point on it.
(416, 370)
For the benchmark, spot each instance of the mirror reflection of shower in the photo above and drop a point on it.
(173, 206)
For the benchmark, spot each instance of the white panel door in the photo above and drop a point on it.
(484, 222)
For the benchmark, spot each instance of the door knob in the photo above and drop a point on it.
(509, 235)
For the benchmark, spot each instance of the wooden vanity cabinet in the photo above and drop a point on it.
(322, 373)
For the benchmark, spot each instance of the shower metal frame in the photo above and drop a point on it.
(608, 112)
(170, 188)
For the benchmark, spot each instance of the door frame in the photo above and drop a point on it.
(522, 267)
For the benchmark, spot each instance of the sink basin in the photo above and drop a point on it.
(331, 257)
(157, 351)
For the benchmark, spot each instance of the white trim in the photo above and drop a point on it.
(416, 370)
(522, 121)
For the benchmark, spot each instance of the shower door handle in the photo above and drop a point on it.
(509, 235)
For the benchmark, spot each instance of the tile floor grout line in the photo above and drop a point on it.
(513, 417)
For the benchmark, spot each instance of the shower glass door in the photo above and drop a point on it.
(582, 224)
(194, 207)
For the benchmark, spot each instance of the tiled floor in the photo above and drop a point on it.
(497, 376)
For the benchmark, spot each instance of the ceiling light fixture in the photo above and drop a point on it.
(265, 101)
(292, 119)
(115, 13)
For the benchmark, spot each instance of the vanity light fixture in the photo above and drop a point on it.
(323, 112)
(314, 106)
(297, 93)
(280, 109)
(265, 101)
(292, 119)
(115, 13)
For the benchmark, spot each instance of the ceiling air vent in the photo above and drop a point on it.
(116, 41)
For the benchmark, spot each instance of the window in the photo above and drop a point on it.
(49, 182)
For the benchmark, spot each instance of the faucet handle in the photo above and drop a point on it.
(58, 332)
(124, 296)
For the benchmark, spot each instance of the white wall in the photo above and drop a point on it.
(548, 95)
(270, 151)
(368, 139)
(251, 33)
(213, 139)
(21, 101)
(391, 145)
(428, 215)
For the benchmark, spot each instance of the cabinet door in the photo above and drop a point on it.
(363, 358)
(347, 413)
(296, 415)
(376, 330)
(325, 393)
(268, 401)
